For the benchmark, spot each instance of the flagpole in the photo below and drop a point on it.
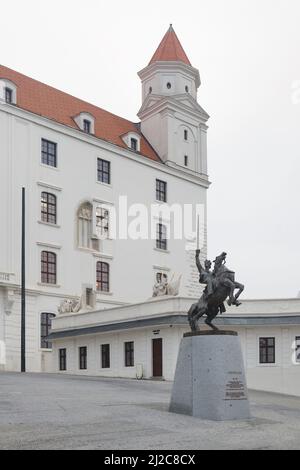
(23, 292)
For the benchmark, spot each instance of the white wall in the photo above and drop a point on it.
(281, 377)
(142, 353)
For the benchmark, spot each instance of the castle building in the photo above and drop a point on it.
(80, 165)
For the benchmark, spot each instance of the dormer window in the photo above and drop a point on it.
(133, 144)
(87, 126)
(85, 122)
(8, 95)
(133, 141)
(8, 91)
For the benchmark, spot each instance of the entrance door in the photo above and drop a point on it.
(157, 357)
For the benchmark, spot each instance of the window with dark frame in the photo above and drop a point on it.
(48, 267)
(297, 348)
(49, 153)
(185, 134)
(267, 350)
(48, 208)
(46, 320)
(8, 95)
(186, 160)
(83, 358)
(161, 191)
(102, 222)
(87, 126)
(161, 237)
(62, 359)
(103, 171)
(102, 276)
(105, 356)
(129, 354)
(134, 144)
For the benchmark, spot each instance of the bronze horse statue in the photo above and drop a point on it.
(220, 285)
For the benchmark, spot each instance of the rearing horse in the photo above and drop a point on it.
(213, 303)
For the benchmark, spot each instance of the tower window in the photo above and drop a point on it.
(8, 95)
(186, 134)
(87, 126)
(187, 89)
(169, 86)
(150, 90)
(134, 144)
(186, 160)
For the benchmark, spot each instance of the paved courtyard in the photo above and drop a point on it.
(55, 412)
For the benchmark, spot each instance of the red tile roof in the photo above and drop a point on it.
(170, 49)
(51, 103)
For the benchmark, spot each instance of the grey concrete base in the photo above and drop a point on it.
(210, 380)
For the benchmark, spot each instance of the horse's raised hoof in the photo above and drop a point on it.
(237, 303)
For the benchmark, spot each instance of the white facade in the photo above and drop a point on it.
(166, 319)
(133, 264)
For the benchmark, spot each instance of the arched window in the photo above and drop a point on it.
(48, 267)
(186, 134)
(48, 208)
(85, 225)
(102, 276)
(46, 320)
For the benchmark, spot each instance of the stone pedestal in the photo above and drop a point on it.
(210, 380)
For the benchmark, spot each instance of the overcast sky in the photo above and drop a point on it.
(248, 55)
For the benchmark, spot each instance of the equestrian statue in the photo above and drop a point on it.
(220, 285)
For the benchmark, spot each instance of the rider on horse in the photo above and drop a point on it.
(220, 284)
